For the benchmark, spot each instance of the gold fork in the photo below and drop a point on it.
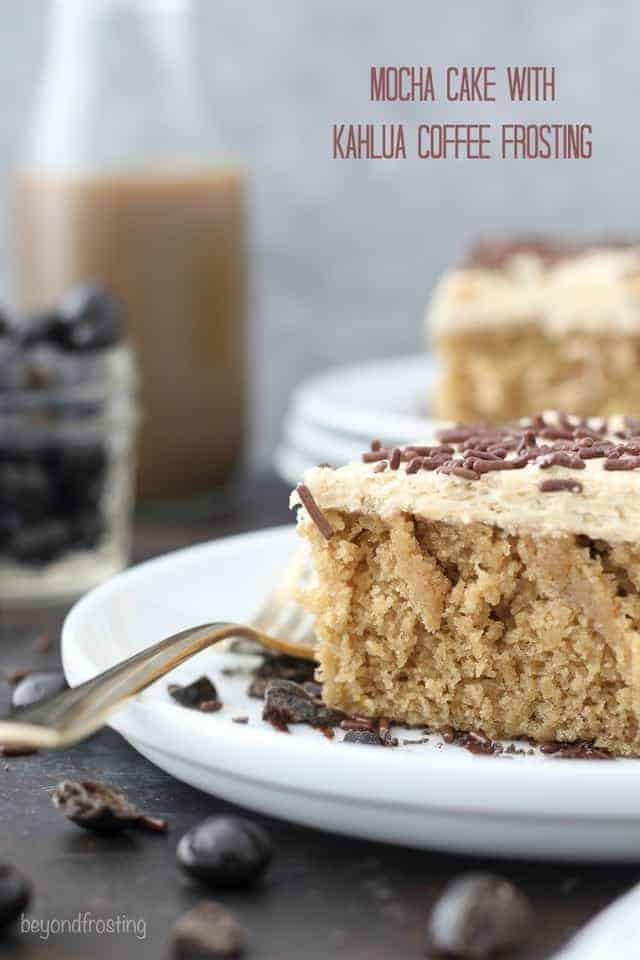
(68, 717)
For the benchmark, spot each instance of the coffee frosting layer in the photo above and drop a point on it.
(597, 292)
(606, 506)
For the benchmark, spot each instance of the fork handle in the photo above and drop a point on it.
(71, 716)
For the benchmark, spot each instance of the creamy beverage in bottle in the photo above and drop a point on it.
(118, 187)
(173, 248)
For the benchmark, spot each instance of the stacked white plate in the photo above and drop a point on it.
(333, 417)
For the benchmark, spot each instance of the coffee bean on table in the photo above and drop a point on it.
(225, 851)
(15, 893)
(208, 931)
(37, 686)
(102, 808)
(478, 915)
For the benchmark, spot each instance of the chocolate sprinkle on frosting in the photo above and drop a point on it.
(496, 254)
(630, 463)
(554, 486)
(314, 511)
(396, 455)
(549, 440)
(562, 460)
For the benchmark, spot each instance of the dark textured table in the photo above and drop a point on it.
(325, 896)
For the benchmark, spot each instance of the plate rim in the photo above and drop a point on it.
(309, 402)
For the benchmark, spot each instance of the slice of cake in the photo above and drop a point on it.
(487, 582)
(534, 324)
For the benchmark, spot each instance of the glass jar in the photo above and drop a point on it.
(67, 431)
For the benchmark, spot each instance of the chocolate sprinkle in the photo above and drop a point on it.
(562, 460)
(372, 456)
(556, 485)
(553, 440)
(631, 463)
(489, 466)
(314, 511)
(495, 254)
(458, 471)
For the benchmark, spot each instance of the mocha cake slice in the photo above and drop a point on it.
(488, 582)
(529, 324)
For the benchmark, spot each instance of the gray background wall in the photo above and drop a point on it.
(345, 253)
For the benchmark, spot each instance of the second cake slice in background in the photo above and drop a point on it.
(533, 324)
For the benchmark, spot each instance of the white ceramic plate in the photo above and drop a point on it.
(332, 417)
(427, 795)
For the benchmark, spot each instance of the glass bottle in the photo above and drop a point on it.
(125, 182)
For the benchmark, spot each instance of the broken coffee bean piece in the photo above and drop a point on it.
(102, 808)
(478, 915)
(289, 702)
(36, 686)
(366, 737)
(199, 695)
(15, 893)
(225, 851)
(281, 667)
(208, 931)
